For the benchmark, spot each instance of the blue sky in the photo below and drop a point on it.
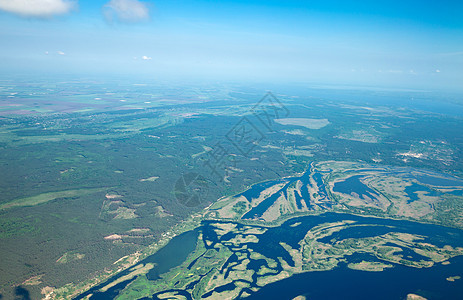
(412, 44)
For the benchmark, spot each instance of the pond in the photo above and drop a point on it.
(168, 257)
(354, 185)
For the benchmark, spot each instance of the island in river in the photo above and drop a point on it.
(299, 236)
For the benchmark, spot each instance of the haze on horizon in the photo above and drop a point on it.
(407, 44)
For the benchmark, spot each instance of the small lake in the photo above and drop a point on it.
(256, 189)
(168, 257)
(354, 185)
(412, 190)
(439, 181)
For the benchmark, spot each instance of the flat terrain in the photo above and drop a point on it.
(120, 168)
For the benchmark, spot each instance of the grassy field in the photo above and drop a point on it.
(45, 197)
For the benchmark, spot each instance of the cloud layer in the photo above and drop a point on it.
(37, 8)
(128, 11)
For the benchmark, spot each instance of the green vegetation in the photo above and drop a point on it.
(70, 256)
(240, 207)
(14, 226)
(214, 273)
(64, 161)
(45, 197)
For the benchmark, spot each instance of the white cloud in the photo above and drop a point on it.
(126, 11)
(144, 57)
(437, 71)
(61, 53)
(37, 8)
